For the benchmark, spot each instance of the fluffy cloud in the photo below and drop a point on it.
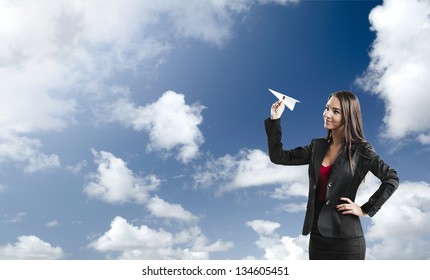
(251, 168)
(278, 247)
(160, 208)
(402, 226)
(26, 150)
(171, 123)
(132, 242)
(115, 182)
(30, 247)
(400, 67)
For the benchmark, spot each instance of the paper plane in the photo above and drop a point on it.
(288, 101)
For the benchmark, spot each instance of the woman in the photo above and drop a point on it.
(337, 165)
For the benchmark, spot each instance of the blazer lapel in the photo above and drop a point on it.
(339, 159)
(320, 152)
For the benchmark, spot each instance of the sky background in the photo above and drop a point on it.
(134, 129)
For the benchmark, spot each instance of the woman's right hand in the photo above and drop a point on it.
(277, 109)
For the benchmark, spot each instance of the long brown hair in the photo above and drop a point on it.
(353, 125)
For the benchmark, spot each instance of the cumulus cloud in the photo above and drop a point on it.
(402, 226)
(30, 247)
(251, 168)
(26, 150)
(142, 242)
(278, 247)
(160, 208)
(115, 182)
(172, 124)
(400, 66)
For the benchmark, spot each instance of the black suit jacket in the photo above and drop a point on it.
(341, 183)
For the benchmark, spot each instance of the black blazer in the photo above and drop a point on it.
(341, 183)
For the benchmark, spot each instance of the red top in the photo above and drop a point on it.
(322, 182)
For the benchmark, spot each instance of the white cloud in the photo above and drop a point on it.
(400, 67)
(53, 223)
(26, 150)
(402, 226)
(132, 242)
(115, 182)
(30, 247)
(162, 209)
(263, 227)
(251, 168)
(171, 123)
(278, 247)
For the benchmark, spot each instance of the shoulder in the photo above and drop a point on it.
(319, 143)
(366, 150)
(323, 141)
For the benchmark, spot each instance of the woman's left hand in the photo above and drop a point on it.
(349, 207)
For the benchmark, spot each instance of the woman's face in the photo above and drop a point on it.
(333, 116)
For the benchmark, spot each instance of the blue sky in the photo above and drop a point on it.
(134, 129)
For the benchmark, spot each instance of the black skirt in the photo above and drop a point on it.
(327, 248)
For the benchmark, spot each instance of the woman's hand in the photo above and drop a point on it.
(277, 109)
(349, 207)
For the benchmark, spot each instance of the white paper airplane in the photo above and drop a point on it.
(288, 101)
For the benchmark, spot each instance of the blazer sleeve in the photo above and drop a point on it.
(277, 154)
(389, 183)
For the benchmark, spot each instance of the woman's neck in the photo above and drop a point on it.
(337, 138)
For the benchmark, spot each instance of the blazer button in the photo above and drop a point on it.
(330, 184)
(327, 202)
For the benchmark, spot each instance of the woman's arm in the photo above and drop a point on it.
(277, 154)
(389, 183)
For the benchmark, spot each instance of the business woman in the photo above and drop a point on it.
(337, 165)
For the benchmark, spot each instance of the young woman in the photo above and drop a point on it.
(337, 165)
